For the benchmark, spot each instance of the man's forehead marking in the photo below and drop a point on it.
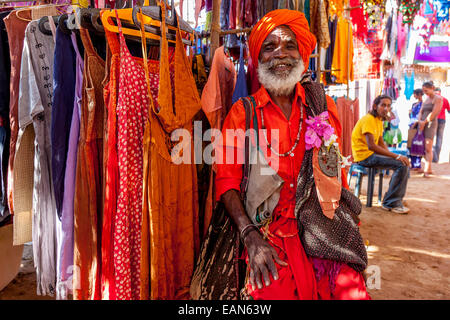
(283, 32)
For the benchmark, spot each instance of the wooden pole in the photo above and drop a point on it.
(318, 73)
(215, 28)
(348, 59)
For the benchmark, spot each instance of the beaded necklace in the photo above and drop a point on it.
(290, 152)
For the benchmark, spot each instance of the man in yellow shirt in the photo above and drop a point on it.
(369, 150)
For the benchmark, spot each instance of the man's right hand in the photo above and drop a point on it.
(404, 160)
(262, 257)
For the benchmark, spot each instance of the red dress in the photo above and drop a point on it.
(132, 109)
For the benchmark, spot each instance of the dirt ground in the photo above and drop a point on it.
(412, 251)
(409, 255)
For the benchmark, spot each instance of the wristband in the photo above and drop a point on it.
(245, 230)
(398, 157)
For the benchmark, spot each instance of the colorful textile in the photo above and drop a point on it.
(132, 113)
(15, 27)
(240, 89)
(62, 108)
(171, 209)
(295, 20)
(342, 64)
(108, 281)
(64, 283)
(409, 85)
(88, 206)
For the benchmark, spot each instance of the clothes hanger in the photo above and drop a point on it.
(171, 31)
(108, 20)
(42, 24)
(154, 12)
(26, 8)
(62, 24)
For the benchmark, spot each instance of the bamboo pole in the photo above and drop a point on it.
(215, 28)
(348, 59)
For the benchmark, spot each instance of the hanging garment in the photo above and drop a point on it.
(88, 203)
(307, 10)
(34, 108)
(332, 26)
(348, 111)
(216, 101)
(5, 131)
(240, 89)
(112, 171)
(359, 19)
(402, 31)
(62, 108)
(199, 72)
(66, 254)
(61, 117)
(16, 33)
(409, 85)
(319, 23)
(131, 114)
(218, 91)
(252, 77)
(343, 52)
(170, 189)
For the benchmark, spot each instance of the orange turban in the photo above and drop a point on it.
(295, 20)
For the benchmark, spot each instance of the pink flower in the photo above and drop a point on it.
(318, 128)
(312, 139)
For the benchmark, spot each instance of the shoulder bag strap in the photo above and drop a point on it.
(250, 107)
(248, 117)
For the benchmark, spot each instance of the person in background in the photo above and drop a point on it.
(440, 126)
(370, 150)
(416, 161)
(431, 107)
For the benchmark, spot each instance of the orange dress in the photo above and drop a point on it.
(170, 190)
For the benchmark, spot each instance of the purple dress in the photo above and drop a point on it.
(64, 285)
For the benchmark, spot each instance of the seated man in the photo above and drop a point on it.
(369, 150)
(278, 265)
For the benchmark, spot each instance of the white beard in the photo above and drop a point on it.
(280, 84)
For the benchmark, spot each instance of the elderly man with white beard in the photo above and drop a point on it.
(278, 266)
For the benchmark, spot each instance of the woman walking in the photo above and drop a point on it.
(431, 107)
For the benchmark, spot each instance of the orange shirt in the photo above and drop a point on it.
(229, 176)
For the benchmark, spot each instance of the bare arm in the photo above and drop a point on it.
(262, 256)
(382, 149)
(437, 106)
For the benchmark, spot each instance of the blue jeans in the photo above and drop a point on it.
(397, 186)
(439, 135)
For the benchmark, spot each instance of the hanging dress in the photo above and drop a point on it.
(111, 172)
(88, 206)
(171, 189)
(131, 111)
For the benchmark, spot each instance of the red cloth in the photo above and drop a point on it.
(348, 111)
(296, 281)
(445, 107)
(111, 172)
(350, 285)
(132, 112)
(229, 176)
(359, 19)
(295, 20)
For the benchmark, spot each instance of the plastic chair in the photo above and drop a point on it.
(360, 171)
